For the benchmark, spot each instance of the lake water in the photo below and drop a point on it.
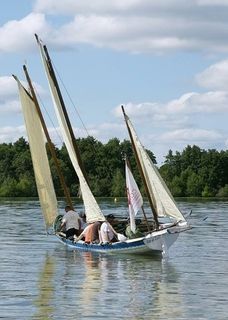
(42, 279)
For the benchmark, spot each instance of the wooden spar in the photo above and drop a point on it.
(53, 76)
(50, 144)
(141, 172)
(144, 214)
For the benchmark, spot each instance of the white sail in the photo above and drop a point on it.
(135, 200)
(164, 202)
(40, 162)
(92, 210)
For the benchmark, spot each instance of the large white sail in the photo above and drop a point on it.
(163, 200)
(92, 210)
(40, 162)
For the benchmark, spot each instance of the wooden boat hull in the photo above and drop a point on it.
(154, 243)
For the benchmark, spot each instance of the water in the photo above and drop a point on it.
(42, 279)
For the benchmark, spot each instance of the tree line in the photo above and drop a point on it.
(192, 172)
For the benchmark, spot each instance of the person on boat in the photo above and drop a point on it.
(107, 232)
(85, 235)
(71, 222)
(90, 234)
(82, 217)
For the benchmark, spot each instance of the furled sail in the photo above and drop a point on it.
(164, 202)
(92, 210)
(135, 200)
(40, 162)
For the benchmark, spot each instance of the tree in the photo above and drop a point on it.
(192, 172)
(118, 184)
(223, 192)
(176, 186)
(194, 185)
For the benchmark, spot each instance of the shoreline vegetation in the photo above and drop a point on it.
(191, 173)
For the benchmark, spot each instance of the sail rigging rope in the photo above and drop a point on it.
(48, 115)
(71, 100)
(73, 104)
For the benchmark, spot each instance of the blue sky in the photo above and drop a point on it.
(166, 61)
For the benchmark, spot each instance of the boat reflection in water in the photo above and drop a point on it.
(85, 285)
(46, 289)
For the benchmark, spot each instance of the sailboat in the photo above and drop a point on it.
(154, 241)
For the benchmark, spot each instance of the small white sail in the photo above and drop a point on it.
(92, 210)
(163, 200)
(135, 200)
(40, 162)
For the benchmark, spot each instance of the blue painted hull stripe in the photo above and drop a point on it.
(137, 245)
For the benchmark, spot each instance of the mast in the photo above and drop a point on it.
(53, 76)
(141, 172)
(50, 144)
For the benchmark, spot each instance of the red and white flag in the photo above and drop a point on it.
(135, 200)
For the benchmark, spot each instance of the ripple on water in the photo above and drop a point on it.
(41, 279)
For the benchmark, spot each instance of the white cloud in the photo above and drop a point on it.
(10, 134)
(215, 76)
(190, 136)
(8, 88)
(9, 103)
(177, 140)
(177, 112)
(142, 110)
(105, 7)
(143, 34)
(9, 97)
(10, 107)
(125, 7)
(106, 131)
(213, 2)
(102, 132)
(209, 102)
(143, 25)
(18, 35)
(136, 26)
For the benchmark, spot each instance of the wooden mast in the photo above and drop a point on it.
(53, 76)
(50, 144)
(141, 172)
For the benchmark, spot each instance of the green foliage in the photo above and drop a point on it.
(207, 192)
(223, 192)
(194, 185)
(176, 186)
(9, 188)
(118, 184)
(192, 172)
(196, 172)
(103, 163)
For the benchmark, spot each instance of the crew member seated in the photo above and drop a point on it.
(107, 232)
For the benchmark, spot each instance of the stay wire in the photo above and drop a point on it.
(73, 104)
(71, 100)
(48, 115)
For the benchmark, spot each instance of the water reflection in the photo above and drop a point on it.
(44, 300)
(41, 279)
(94, 280)
(88, 285)
(122, 286)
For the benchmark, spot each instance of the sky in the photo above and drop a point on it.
(165, 61)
